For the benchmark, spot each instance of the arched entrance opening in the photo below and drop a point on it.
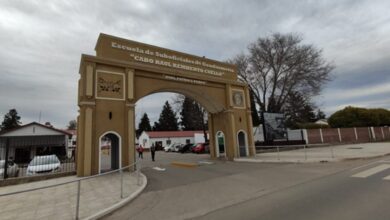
(242, 144)
(191, 134)
(220, 144)
(109, 152)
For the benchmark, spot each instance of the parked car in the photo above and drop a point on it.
(174, 147)
(177, 147)
(201, 148)
(44, 164)
(12, 169)
(169, 148)
(186, 148)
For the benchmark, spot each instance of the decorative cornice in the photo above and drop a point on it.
(87, 103)
(130, 105)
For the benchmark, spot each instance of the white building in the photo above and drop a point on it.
(72, 142)
(164, 138)
(33, 139)
(322, 122)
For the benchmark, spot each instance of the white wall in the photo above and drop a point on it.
(181, 140)
(147, 142)
(142, 137)
(258, 133)
(199, 138)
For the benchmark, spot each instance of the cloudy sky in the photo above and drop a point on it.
(41, 43)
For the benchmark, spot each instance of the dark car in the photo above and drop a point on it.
(186, 148)
(201, 148)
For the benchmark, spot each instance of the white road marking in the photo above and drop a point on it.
(205, 162)
(366, 165)
(387, 178)
(158, 168)
(372, 171)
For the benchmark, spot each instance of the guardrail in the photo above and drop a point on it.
(105, 189)
(297, 152)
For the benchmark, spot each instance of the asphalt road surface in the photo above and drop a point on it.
(357, 189)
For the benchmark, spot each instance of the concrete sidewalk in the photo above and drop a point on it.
(322, 154)
(97, 195)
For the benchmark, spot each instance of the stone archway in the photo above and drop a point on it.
(124, 71)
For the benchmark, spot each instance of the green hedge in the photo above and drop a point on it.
(359, 117)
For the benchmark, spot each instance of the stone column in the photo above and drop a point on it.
(130, 128)
(130, 155)
(212, 145)
(85, 141)
(231, 136)
(251, 142)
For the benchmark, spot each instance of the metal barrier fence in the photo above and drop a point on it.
(25, 157)
(74, 199)
(38, 166)
(297, 152)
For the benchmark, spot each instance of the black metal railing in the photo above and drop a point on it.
(26, 159)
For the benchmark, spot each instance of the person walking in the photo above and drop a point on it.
(140, 150)
(153, 151)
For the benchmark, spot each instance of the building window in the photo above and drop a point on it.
(168, 142)
(188, 141)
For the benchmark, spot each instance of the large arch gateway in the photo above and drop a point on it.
(124, 71)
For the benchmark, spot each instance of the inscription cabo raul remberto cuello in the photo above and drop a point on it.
(177, 62)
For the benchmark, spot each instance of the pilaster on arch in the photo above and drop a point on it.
(130, 84)
(130, 131)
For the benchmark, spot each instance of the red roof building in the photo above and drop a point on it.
(165, 138)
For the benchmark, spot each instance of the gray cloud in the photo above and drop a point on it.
(41, 43)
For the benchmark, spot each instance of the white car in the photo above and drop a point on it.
(44, 164)
(12, 169)
(173, 147)
(169, 148)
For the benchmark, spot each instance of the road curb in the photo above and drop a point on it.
(252, 160)
(283, 161)
(363, 158)
(121, 203)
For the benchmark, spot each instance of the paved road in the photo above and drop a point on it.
(227, 190)
(354, 194)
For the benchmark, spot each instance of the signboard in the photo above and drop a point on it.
(275, 126)
(127, 50)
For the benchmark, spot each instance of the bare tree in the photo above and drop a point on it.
(279, 65)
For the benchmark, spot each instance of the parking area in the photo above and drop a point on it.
(166, 158)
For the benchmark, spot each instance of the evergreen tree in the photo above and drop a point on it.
(320, 115)
(167, 120)
(144, 125)
(298, 110)
(11, 120)
(191, 115)
(72, 125)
